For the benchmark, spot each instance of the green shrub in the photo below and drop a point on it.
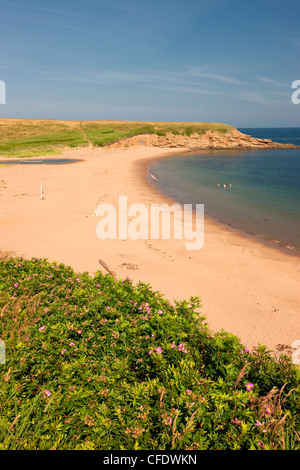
(99, 363)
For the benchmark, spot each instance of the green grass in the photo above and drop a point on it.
(41, 144)
(25, 137)
(99, 363)
(101, 135)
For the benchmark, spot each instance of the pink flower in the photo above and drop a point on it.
(72, 344)
(158, 350)
(46, 310)
(181, 347)
(16, 284)
(42, 328)
(268, 410)
(47, 393)
(261, 445)
(160, 312)
(62, 352)
(249, 386)
(150, 352)
(79, 332)
(173, 345)
(188, 392)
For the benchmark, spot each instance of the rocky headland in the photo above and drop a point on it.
(209, 140)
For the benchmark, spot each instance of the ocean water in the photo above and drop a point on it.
(262, 193)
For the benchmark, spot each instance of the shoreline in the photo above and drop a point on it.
(246, 288)
(270, 243)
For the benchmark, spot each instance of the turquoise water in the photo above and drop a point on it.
(264, 197)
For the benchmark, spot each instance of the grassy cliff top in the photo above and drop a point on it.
(30, 137)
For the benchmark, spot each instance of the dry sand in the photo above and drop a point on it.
(246, 287)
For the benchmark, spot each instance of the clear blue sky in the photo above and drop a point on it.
(229, 61)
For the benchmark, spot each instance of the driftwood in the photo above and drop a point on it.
(107, 268)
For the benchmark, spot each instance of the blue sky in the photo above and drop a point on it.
(230, 61)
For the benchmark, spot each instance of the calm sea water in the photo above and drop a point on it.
(264, 197)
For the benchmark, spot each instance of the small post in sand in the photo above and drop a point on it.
(42, 192)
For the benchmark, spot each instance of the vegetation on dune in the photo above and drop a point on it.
(25, 137)
(42, 144)
(99, 363)
(101, 135)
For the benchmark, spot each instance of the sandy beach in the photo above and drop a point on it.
(246, 287)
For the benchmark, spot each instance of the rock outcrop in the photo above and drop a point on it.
(208, 140)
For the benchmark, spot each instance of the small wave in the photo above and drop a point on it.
(153, 176)
(287, 247)
(293, 248)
